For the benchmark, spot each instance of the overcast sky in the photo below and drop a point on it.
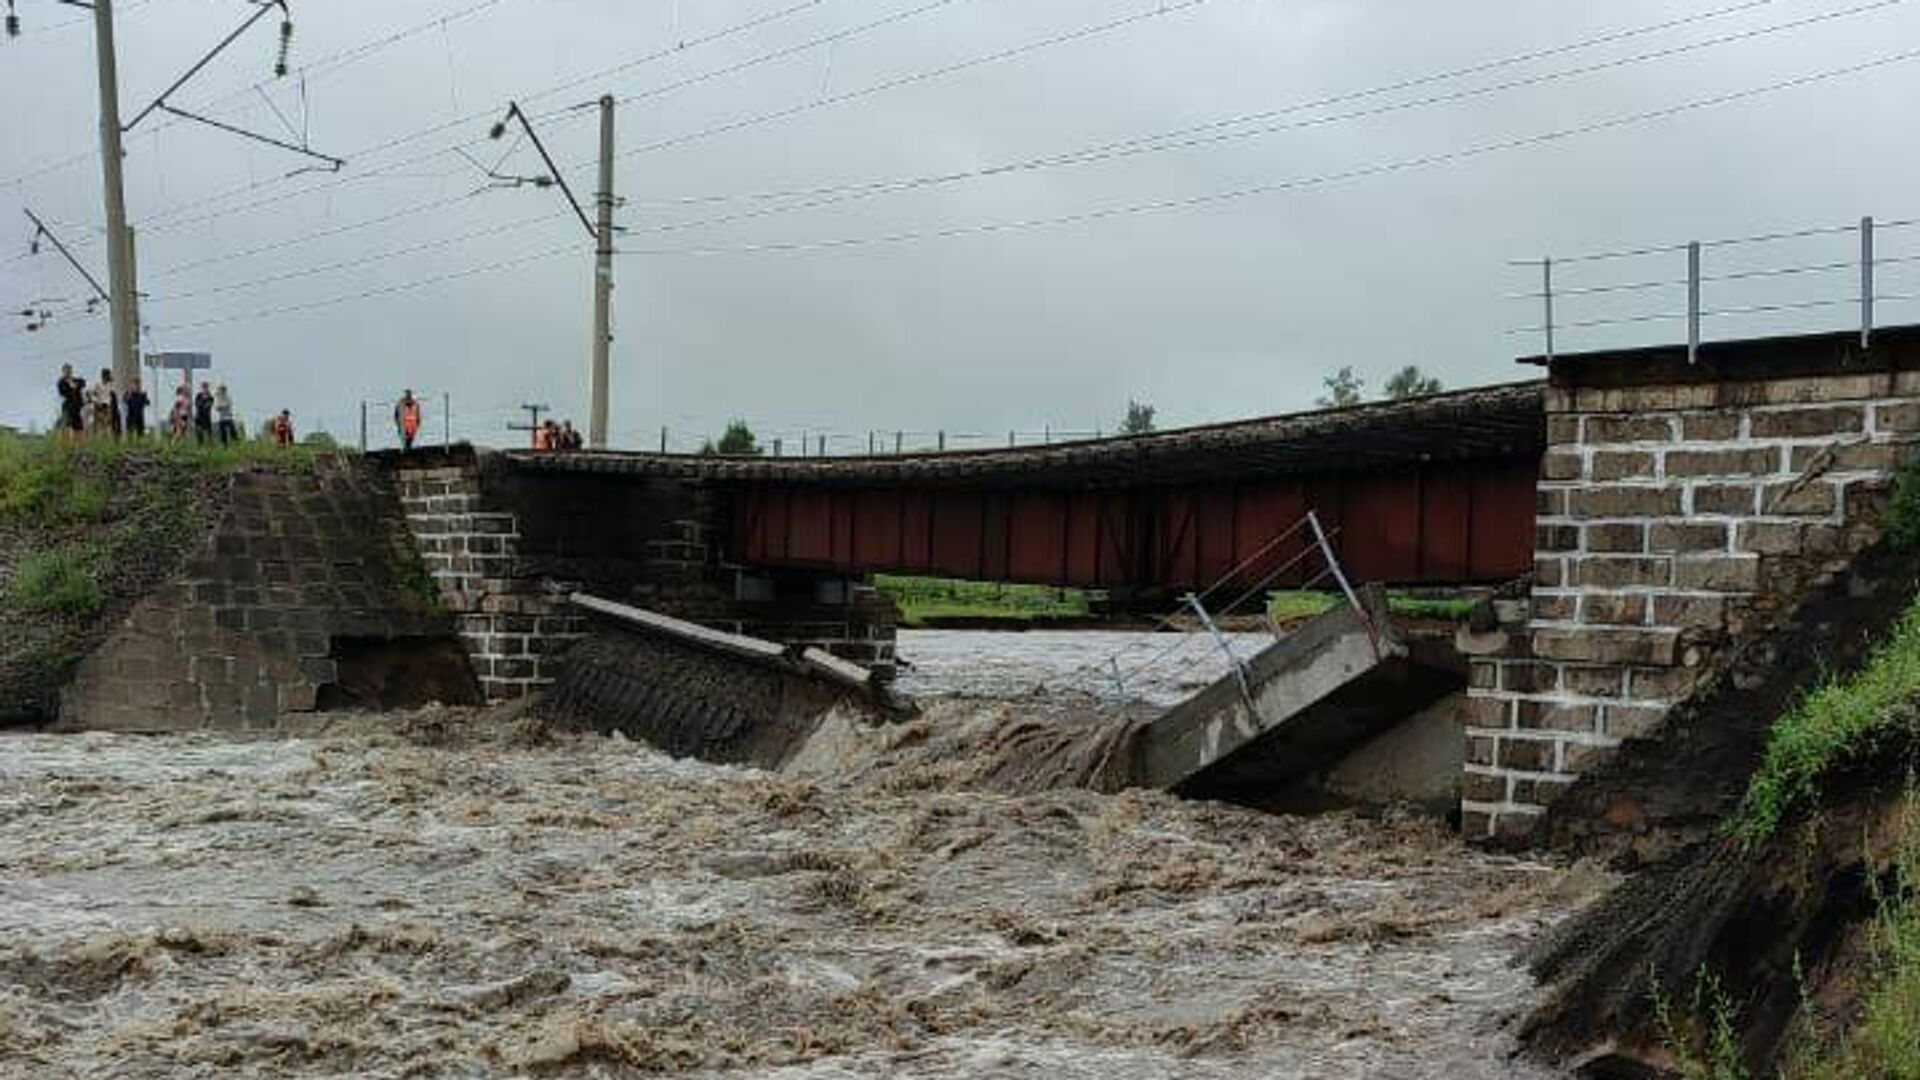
(1209, 309)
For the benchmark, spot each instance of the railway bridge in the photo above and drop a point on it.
(1671, 506)
(1438, 490)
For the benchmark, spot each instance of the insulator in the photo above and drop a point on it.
(286, 48)
(13, 25)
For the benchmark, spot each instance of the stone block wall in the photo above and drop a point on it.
(296, 563)
(515, 625)
(506, 549)
(1673, 521)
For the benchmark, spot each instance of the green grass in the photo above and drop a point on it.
(1884, 1040)
(1294, 604)
(87, 529)
(923, 599)
(1705, 1043)
(1841, 721)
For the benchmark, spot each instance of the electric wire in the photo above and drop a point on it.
(1362, 172)
(1207, 134)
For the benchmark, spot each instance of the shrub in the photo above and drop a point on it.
(1903, 513)
(62, 581)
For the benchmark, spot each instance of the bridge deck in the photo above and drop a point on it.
(1460, 426)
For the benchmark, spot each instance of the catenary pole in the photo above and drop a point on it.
(602, 285)
(125, 333)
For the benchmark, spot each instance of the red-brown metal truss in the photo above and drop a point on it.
(1438, 523)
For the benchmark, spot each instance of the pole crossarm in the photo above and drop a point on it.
(515, 114)
(42, 230)
(333, 164)
(265, 7)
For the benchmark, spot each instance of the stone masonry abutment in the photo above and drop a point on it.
(1682, 509)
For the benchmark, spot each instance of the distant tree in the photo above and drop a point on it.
(736, 441)
(1139, 419)
(1344, 388)
(320, 440)
(1411, 382)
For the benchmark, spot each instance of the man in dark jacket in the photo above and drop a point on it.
(203, 415)
(135, 401)
(73, 402)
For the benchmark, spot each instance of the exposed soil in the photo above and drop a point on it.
(1772, 923)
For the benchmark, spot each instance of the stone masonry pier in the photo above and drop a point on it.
(506, 546)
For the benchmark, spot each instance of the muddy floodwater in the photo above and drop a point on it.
(449, 894)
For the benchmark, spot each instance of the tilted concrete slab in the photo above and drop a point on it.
(1308, 699)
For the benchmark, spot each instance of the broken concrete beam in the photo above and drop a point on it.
(694, 691)
(1306, 700)
(737, 644)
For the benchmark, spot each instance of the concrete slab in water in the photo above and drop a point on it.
(1307, 700)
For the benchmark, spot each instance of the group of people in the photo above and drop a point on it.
(558, 436)
(102, 411)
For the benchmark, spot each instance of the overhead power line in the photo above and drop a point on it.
(1364, 172)
(165, 219)
(886, 186)
(388, 290)
(1211, 133)
(324, 65)
(1160, 206)
(942, 72)
(1161, 142)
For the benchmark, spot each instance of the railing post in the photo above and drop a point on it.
(363, 425)
(1693, 301)
(943, 442)
(1340, 575)
(1546, 291)
(1239, 669)
(899, 442)
(1866, 283)
(663, 440)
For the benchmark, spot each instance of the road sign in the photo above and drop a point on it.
(180, 361)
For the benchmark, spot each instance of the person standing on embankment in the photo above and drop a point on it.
(223, 408)
(72, 391)
(135, 403)
(203, 415)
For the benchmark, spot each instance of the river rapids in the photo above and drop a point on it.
(468, 894)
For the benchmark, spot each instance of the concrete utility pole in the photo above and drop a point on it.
(126, 325)
(602, 285)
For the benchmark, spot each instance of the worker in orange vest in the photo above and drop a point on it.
(406, 417)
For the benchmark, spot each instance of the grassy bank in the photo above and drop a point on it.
(1884, 1038)
(1294, 604)
(922, 600)
(85, 532)
(1844, 721)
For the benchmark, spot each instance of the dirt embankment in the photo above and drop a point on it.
(1777, 922)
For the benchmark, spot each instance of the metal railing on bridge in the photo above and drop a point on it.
(1699, 284)
(1201, 627)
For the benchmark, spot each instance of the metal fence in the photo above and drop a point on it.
(1746, 284)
